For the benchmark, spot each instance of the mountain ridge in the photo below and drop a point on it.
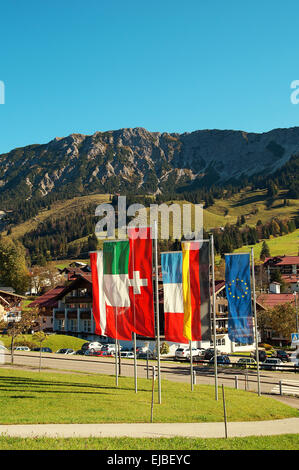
(135, 159)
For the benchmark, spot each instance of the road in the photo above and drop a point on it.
(170, 370)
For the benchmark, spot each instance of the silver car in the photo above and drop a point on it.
(272, 363)
(184, 353)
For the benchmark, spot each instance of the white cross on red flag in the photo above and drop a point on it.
(141, 281)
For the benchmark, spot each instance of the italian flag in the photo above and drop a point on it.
(122, 287)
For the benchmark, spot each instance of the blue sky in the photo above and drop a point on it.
(169, 66)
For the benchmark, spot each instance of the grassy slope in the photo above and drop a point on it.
(32, 397)
(223, 211)
(54, 342)
(58, 209)
(246, 202)
(285, 245)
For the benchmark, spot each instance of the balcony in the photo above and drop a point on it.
(222, 315)
(86, 299)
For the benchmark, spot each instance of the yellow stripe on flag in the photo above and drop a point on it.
(186, 293)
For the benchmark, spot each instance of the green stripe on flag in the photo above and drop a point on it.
(116, 257)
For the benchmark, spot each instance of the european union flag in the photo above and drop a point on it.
(238, 292)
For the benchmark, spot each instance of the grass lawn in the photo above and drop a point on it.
(54, 342)
(282, 442)
(30, 397)
(285, 245)
(253, 205)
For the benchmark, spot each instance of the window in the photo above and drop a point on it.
(220, 342)
(60, 324)
(73, 325)
(87, 326)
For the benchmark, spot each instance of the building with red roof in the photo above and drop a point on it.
(46, 303)
(270, 300)
(267, 301)
(286, 264)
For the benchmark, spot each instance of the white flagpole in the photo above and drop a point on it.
(116, 312)
(191, 365)
(214, 315)
(135, 361)
(134, 334)
(157, 311)
(116, 359)
(255, 325)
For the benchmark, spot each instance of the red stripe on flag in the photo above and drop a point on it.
(195, 295)
(118, 323)
(174, 325)
(95, 293)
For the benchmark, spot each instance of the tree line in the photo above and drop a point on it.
(229, 238)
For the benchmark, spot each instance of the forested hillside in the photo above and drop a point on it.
(43, 187)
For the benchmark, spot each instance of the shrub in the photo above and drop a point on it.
(164, 348)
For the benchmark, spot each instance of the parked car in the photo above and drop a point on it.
(110, 348)
(46, 350)
(198, 358)
(91, 352)
(22, 348)
(209, 353)
(246, 361)
(65, 351)
(262, 355)
(271, 363)
(100, 353)
(105, 353)
(145, 354)
(139, 349)
(184, 353)
(201, 351)
(95, 345)
(221, 360)
(282, 355)
(127, 354)
(80, 352)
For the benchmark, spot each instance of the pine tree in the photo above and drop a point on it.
(265, 251)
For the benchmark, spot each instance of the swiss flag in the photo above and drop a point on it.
(141, 281)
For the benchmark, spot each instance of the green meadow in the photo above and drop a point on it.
(28, 397)
(54, 342)
(285, 245)
(280, 442)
